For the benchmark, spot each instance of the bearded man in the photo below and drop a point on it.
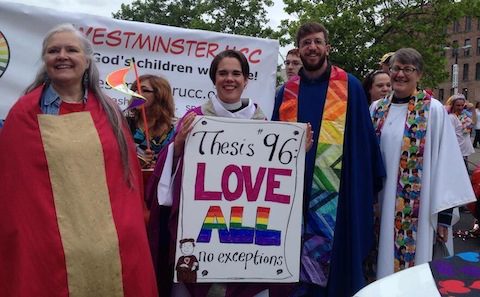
(343, 170)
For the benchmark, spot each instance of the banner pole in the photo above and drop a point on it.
(144, 114)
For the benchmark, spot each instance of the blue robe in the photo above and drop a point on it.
(361, 180)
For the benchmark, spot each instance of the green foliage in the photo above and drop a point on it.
(280, 80)
(361, 31)
(228, 16)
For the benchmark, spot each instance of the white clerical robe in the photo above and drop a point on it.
(420, 280)
(445, 181)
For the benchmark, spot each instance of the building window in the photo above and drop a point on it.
(465, 71)
(456, 26)
(466, 48)
(451, 91)
(440, 95)
(454, 48)
(477, 71)
(478, 46)
(468, 23)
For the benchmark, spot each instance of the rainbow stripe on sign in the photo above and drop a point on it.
(238, 233)
(213, 220)
(260, 235)
(263, 236)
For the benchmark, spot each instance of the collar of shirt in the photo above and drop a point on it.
(50, 101)
(401, 100)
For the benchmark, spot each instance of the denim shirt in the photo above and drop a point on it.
(50, 101)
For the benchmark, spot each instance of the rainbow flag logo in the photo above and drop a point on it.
(116, 80)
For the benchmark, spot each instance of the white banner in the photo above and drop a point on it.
(241, 202)
(182, 56)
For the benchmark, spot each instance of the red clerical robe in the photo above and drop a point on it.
(70, 225)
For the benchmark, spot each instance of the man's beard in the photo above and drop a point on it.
(313, 67)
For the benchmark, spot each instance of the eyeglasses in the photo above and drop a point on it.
(294, 63)
(406, 70)
(147, 91)
(316, 41)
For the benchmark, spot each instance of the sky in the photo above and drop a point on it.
(106, 7)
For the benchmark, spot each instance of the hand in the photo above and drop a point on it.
(146, 159)
(183, 131)
(442, 233)
(309, 142)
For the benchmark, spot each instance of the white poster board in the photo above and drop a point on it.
(241, 202)
(182, 56)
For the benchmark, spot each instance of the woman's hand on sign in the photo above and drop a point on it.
(183, 131)
(309, 142)
(146, 159)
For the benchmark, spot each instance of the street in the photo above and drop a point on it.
(466, 219)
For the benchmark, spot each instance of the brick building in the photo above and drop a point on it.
(464, 39)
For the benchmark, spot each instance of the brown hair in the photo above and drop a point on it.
(162, 108)
(310, 28)
(229, 54)
(368, 82)
(294, 51)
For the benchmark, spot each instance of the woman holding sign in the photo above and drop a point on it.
(229, 73)
(71, 217)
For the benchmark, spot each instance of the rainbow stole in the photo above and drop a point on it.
(321, 215)
(407, 201)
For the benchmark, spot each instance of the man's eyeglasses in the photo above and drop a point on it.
(294, 63)
(406, 70)
(316, 41)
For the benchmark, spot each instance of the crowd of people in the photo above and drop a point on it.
(77, 219)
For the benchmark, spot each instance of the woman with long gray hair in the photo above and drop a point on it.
(71, 217)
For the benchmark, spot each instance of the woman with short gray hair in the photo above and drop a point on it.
(425, 172)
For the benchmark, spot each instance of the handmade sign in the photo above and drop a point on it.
(240, 212)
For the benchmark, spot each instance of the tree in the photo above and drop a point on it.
(227, 16)
(362, 31)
